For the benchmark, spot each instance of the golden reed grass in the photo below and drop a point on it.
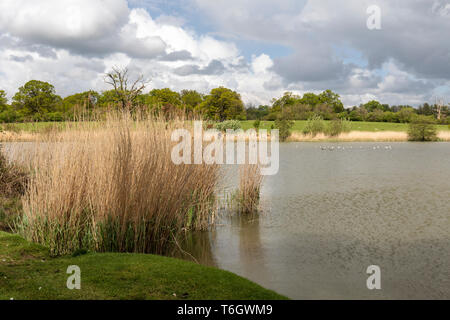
(250, 180)
(112, 186)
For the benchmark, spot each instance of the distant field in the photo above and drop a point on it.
(355, 126)
(33, 127)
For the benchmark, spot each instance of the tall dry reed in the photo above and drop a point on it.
(249, 188)
(112, 186)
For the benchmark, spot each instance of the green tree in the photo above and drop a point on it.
(223, 104)
(422, 128)
(3, 100)
(86, 100)
(165, 96)
(310, 98)
(373, 105)
(405, 114)
(333, 100)
(288, 99)
(284, 125)
(191, 99)
(36, 98)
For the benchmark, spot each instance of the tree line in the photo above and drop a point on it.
(38, 101)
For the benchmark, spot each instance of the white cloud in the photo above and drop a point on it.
(72, 43)
(55, 20)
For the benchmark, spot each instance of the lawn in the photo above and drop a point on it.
(28, 272)
(355, 126)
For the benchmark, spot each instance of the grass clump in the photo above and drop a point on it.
(112, 187)
(13, 178)
(249, 188)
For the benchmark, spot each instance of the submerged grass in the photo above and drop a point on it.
(112, 186)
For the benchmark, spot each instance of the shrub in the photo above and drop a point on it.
(314, 126)
(422, 128)
(337, 126)
(256, 124)
(228, 125)
(284, 126)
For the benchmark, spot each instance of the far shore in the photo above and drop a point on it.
(352, 136)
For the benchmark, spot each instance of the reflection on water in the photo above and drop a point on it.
(331, 213)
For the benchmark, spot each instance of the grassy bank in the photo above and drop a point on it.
(28, 272)
(354, 126)
(359, 131)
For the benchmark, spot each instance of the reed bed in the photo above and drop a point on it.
(249, 188)
(112, 186)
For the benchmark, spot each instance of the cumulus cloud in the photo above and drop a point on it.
(72, 43)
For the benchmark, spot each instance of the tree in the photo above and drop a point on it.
(288, 99)
(332, 99)
(310, 98)
(165, 96)
(86, 99)
(422, 128)
(284, 125)
(36, 98)
(3, 100)
(223, 104)
(373, 105)
(405, 114)
(191, 99)
(119, 80)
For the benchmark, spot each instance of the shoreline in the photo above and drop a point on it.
(352, 136)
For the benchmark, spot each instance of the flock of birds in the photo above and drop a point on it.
(333, 148)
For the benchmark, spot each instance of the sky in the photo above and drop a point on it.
(260, 48)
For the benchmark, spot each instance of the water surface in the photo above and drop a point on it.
(329, 214)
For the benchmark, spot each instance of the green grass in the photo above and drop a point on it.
(28, 272)
(298, 126)
(354, 126)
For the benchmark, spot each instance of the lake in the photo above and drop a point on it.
(332, 211)
(330, 214)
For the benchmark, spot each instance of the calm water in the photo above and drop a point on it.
(328, 215)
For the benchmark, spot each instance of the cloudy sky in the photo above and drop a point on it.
(260, 48)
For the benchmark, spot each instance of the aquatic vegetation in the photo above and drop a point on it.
(249, 188)
(112, 186)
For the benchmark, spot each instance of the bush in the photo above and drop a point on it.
(314, 126)
(422, 128)
(228, 125)
(257, 124)
(284, 126)
(336, 127)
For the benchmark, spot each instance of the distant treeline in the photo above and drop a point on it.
(38, 101)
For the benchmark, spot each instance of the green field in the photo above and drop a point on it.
(28, 272)
(298, 126)
(355, 126)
